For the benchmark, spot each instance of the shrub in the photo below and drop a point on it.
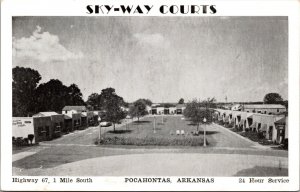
(260, 135)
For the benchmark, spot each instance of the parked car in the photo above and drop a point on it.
(105, 124)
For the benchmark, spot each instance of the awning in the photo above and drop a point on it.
(281, 121)
(249, 115)
(67, 117)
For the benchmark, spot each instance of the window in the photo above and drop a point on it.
(265, 112)
(277, 110)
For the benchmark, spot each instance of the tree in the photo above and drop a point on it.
(24, 84)
(181, 101)
(273, 98)
(138, 109)
(111, 104)
(74, 95)
(52, 96)
(93, 101)
(209, 103)
(196, 112)
(146, 101)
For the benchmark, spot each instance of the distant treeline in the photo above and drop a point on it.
(30, 97)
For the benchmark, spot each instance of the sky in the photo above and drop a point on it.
(159, 58)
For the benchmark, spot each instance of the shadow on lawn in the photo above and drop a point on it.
(120, 131)
(141, 122)
(208, 132)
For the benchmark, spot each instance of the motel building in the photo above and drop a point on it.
(167, 109)
(44, 126)
(56, 121)
(78, 116)
(272, 124)
(265, 109)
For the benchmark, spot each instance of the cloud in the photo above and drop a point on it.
(42, 46)
(154, 40)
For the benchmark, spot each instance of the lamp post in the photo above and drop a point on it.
(154, 124)
(99, 119)
(204, 134)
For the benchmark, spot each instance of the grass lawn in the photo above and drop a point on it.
(142, 133)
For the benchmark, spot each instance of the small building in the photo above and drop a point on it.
(58, 122)
(69, 110)
(270, 109)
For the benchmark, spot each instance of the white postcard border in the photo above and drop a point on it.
(78, 8)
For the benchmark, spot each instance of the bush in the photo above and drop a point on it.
(20, 141)
(154, 141)
(260, 135)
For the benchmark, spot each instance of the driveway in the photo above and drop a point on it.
(171, 164)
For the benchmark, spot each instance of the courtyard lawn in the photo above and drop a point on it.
(164, 134)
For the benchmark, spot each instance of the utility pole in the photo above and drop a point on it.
(204, 133)
(99, 134)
